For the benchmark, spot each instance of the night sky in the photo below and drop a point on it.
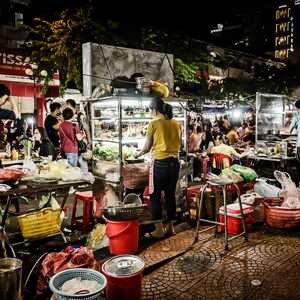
(196, 16)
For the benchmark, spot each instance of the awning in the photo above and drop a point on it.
(214, 109)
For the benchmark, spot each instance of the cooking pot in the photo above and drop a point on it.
(10, 278)
(124, 274)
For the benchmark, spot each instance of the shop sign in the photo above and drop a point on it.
(13, 63)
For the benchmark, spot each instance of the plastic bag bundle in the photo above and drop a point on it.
(292, 202)
(71, 174)
(249, 198)
(287, 183)
(247, 173)
(110, 199)
(229, 174)
(56, 262)
(97, 238)
(266, 190)
(89, 177)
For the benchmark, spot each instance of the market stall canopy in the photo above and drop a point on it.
(213, 109)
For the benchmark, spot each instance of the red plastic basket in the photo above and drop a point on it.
(278, 217)
(9, 174)
(243, 187)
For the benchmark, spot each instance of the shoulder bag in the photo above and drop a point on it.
(81, 144)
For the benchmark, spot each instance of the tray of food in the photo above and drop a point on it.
(38, 181)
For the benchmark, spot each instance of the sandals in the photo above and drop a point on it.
(167, 234)
(152, 237)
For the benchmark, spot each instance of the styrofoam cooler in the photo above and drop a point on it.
(234, 223)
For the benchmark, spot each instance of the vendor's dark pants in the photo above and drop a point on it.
(165, 178)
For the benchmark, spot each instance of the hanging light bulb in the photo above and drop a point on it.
(44, 73)
(29, 72)
(34, 66)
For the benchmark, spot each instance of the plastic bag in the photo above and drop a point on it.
(229, 174)
(71, 174)
(291, 202)
(89, 177)
(290, 186)
(249, 198)
(266, 190)
(59, 261)
(111, 198)
(97, 239)
(247, 173)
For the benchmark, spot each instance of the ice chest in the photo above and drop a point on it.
(234, 222)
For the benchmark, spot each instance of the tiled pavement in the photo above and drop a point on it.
(266, 267)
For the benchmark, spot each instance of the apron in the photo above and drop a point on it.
(151, 172)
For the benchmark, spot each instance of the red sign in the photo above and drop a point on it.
(13, 63)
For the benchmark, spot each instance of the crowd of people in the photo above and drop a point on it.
(206, 137)
(60, 135)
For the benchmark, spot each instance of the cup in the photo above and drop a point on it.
(27, 152)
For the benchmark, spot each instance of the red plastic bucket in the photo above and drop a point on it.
(124, 276)
(123, 236)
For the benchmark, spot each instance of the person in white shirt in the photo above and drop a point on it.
(242, 130)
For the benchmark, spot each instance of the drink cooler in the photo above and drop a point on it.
(235, 224)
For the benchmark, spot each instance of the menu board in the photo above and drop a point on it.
(270, 114)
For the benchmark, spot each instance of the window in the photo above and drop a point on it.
(18, 19)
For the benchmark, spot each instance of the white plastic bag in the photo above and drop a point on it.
(290, 186)
(266, 190)
(292, 202)
(71, 174)
(112, 199)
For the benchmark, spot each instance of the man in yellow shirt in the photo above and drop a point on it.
(232, 135)
(222, 148)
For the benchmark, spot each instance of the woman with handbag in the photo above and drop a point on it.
(69, 137)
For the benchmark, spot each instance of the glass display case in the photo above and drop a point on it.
(119, 126)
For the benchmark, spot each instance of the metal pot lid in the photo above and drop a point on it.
(123, 265)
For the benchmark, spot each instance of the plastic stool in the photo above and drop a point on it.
(87, 217)
(222, 183)
(205, 161)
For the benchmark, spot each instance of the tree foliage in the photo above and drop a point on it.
(57, 44)
(264, 79)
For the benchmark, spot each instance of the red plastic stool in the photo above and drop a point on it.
(204, 161)
(97, 204)
(87, 217)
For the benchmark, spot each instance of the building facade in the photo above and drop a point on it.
(287, 31)
(14, 62)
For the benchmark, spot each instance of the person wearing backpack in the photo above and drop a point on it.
(80, 119)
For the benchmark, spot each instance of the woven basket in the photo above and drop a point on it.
(282, 218)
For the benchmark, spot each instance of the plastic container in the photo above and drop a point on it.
(10, 278)
(124, 276)
(123, 236)
(40, 224)
(14, 154)
(234, 223)
(87, 274)
(8, 150)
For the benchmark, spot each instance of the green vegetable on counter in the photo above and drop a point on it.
(103, 152)
(27, 143)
